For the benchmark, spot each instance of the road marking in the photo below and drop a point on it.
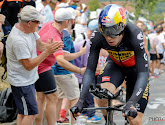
(153, 106)
(156, 103)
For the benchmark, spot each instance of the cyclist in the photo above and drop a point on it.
(127, 60)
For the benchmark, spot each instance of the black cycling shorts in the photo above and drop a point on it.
(116, 75)
(46, 83)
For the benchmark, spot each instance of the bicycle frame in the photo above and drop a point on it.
(109, 108)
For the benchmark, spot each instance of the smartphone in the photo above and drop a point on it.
(84, 43)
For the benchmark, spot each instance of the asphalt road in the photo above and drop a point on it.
(155, 111)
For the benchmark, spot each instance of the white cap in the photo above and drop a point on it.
(63, 5)
(93, 24)
(63, 14)
(83, 6)
(29, 13)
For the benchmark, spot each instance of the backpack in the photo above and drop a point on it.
(8, 110)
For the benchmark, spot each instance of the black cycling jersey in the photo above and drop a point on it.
(129, 53)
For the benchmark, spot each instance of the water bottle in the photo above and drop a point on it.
(81, 121)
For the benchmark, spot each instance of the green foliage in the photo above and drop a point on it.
(93, 5)
(147, 9)
(156, 17)
(160, 7)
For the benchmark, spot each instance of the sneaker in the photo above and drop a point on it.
(154, 76)
(65, 121)
(94, 119)
(83, 115)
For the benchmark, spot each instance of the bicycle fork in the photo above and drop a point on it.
(109, 114)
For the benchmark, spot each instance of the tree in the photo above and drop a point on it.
(93, 5)
(144, 7)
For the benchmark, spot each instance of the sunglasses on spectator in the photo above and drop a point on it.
(35, 21)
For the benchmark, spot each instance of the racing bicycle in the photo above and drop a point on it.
(103, 93)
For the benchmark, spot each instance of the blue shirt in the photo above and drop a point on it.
(69, 48)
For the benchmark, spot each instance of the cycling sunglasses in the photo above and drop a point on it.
(108, 32)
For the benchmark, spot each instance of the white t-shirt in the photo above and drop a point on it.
(159, 47)
(84, 19)
(45, 11)
(153, 41)
(21, 46)
(80, 38)
(81, 28)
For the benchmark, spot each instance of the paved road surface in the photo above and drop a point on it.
(155, 111)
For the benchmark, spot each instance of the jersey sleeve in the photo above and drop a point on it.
(141, 63)
(89, 76)
(141, 58)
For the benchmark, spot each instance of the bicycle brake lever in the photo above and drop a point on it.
(127, 113)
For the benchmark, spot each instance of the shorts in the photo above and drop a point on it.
(67, 86)
(116, 75)
(154, 57)
(46, 83)
(25, 99)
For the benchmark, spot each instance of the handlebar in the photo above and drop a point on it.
(103, 93)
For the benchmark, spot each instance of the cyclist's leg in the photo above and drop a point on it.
(142, 103)
(110, 77)
(104, 102)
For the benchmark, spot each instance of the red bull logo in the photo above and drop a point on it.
(120, 16)
(122, 13)
(106, 19)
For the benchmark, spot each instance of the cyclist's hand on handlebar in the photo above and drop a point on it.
(129, 109)
(77, 109)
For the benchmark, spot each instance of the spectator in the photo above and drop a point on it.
(154, 55)
(10, 9)
(46, 87)
(21, 54)
(81, 62)
(160, 47)
(62, 4)
(146, 40)
(29, 2)
(67, 83)
(46, 11)
(81, 21)
(2, 19)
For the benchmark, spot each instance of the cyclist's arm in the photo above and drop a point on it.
(141, 64)
(89, 75)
